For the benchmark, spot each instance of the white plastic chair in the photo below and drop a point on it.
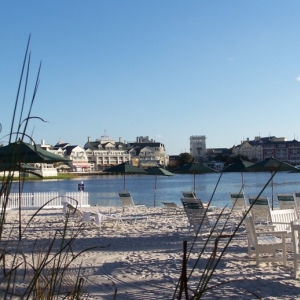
(281, 220)
(265, 242)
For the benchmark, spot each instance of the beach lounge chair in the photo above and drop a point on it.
(297, 199)
(265, 242)
(295, 227)
(238, 201)
(260, 211)
(74, 212)
(189, 195)
(118, 219)
(101, 218)
(196, 214)
(286, 201)
(192, 195)
(172, 207)
(127, 202)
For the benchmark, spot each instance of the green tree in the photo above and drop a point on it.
(185, 158)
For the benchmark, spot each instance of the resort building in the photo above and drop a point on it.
(79, 161)
(287, 151)
(105, 152)
(262, 148)
(147, 153)
(77, 155)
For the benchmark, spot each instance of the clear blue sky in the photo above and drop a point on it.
(164, 69)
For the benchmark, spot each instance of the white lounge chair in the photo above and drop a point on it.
(74, 212)
(118, 219)
(172, 207)
(295, 227)
(196, 214)
(265, 242)
(192, 195)
(127, 202)
(107, 218)
(238, 201)
(297, 199)
(260, 211)
(286, 201)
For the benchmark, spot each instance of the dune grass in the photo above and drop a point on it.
(42, 273)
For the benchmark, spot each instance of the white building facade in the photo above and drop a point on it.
(198, 146)
(105, 152)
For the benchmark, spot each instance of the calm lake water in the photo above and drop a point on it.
(103, 189)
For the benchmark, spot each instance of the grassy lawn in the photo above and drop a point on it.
(59, 176)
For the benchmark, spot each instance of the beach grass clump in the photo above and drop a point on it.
(47, 267)
(36, 262)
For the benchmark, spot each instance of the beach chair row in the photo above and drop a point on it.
(285, 201)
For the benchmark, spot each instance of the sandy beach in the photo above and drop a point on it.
(144, 260)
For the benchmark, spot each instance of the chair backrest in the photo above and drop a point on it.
(260, 211)
(297, 198)
(295, 226)
(286, 201)
(126, 199)
(250, 229)
(238, 201)
(170, 204)
(189, 195)
(86, 216)
(195, 211)
(282, 218)
(72, 210)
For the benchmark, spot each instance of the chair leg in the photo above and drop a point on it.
(249, 249)
(284, 255)
(257, 258)
(296, 267)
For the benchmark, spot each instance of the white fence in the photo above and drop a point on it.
(53, 200)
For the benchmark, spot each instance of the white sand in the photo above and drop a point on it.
(144, 260)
